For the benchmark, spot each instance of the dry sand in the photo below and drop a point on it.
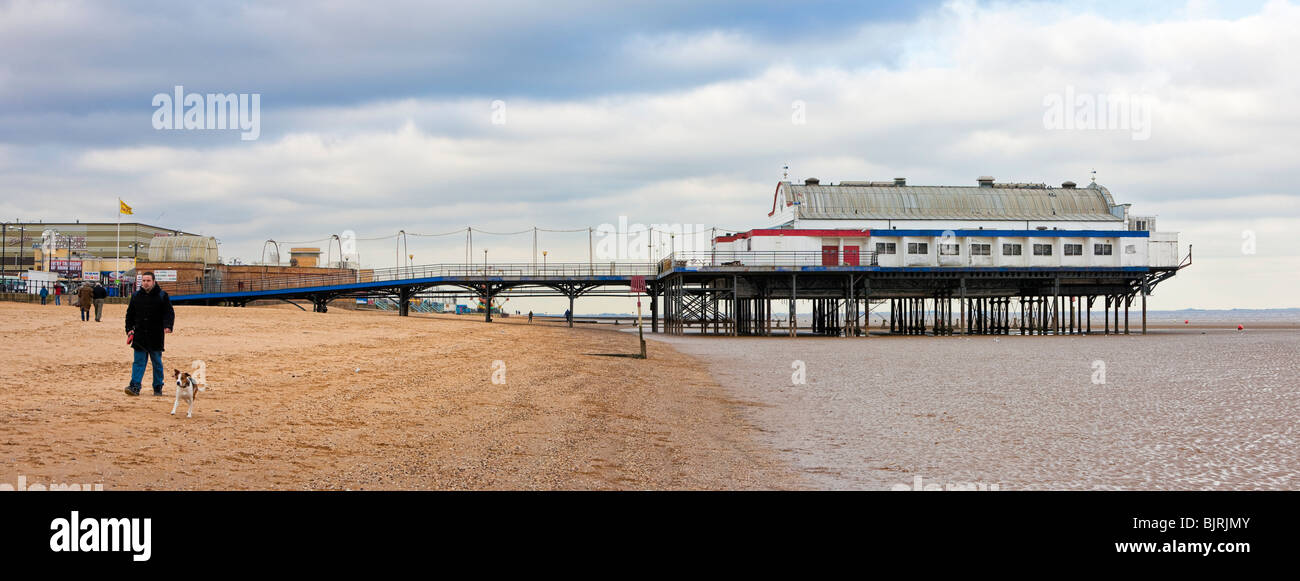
(1178, 410)
(285, 408)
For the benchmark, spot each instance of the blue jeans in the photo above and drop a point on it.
(142, 359)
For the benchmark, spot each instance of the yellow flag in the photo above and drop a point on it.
(125, 209)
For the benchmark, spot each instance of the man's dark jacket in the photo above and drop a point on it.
(100, 292)
(148, 314)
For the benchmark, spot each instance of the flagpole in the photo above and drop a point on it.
(117, 261)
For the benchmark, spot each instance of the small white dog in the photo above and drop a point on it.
(186, 388)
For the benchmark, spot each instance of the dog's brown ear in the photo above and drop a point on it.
(178, 372)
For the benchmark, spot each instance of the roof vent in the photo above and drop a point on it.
(1068, 185)
(986, 181)
(812, 182)
(900, 181)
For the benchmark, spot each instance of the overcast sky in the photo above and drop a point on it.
(379, 116)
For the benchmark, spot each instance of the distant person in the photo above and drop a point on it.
(530, 317)
(100, 293)
(85, 297)
(45, 292)
(568, 316)
(58, 292)
(149, 318)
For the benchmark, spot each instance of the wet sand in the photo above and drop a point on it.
(287, 407)
(1178, 409)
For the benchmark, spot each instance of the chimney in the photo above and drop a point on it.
(900, 181)
(1068, 185)
(811, 182)
(986, 181)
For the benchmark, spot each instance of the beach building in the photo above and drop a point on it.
(990, 224)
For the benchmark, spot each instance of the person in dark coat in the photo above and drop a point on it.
(100, 293)
(149, 318)
(85, 296)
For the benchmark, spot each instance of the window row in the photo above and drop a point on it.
(981, 249)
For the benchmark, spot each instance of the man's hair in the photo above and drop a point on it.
(148, 273)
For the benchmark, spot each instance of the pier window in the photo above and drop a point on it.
(1042, 250)
(918, 248)
(1074, 250)
(886, 248)
(950, 249)
(1010, 250)
(978, 249)
(1130, 249)
(1101, 249)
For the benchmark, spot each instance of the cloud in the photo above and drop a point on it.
(680, 121)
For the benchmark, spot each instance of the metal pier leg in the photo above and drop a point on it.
(1106, 330)
(1117, 299)
(735, 305)
(571, 313)
(654, 313)
(1090, 299)
(962, 302)
(1144, 308)
(794, 293)
(1128, 299)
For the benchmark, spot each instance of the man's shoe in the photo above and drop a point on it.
(132, 390)
(157, 390)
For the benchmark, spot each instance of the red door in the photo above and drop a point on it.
(830, 256)
(851, 256)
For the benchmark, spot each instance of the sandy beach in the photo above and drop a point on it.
(368, 400)
(287, 407)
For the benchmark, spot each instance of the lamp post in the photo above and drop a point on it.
(401, 241)
(544, 262)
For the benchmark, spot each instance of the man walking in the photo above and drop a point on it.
(85, 296)
(100, 293)
(149, 318)
(45, 292)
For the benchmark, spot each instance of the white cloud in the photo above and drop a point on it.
(966, 100)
